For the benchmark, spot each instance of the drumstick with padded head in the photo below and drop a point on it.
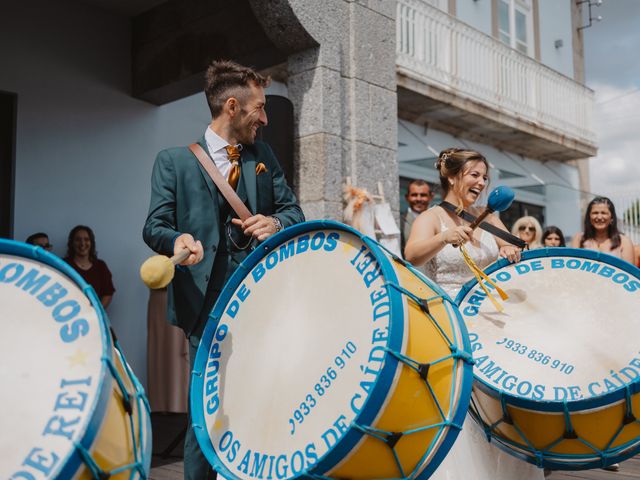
(499, 200)
(157, 271)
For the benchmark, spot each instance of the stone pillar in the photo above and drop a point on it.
(345, 102)
(578, 75)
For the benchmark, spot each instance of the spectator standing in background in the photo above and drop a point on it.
(82, 256)
(40, 239)
(553, 237)
(529, 230)
(418, 197)
(601, 231)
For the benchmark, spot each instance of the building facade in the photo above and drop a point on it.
(93, 89)
(504, 77)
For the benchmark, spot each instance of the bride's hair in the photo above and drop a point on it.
(451, 164)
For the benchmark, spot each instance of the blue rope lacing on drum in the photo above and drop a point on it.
(140, 403)
(422, 369)
(545, 457)
(628, 418)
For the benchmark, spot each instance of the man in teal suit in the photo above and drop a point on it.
(188, 212)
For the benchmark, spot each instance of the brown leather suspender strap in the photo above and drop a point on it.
(227, 191)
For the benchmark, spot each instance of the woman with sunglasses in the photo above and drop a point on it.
(601, 231)
(529, 230)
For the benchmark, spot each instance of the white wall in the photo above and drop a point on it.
(555, 24)
(475, 13)
(85, 148)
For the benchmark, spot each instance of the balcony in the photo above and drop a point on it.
(455, 78)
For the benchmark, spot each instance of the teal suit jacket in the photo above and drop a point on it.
(184, 199)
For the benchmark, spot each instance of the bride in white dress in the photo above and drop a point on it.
(463, 177)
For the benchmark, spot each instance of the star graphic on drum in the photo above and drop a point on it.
(346, 247)
(78, 358)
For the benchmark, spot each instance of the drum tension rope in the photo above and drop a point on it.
(544, 457)
(423, 370)
(506, 416)
(629, 417)
(95, 470)
(393, 438)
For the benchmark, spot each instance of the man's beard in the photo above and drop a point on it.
(244, 133)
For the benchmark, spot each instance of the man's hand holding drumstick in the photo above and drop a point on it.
(185, 242)
(158, 271)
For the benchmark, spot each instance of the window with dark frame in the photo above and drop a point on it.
(522, 209)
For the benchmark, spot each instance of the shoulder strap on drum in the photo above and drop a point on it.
(492, 229)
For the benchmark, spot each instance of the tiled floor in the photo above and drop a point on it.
(167, 465)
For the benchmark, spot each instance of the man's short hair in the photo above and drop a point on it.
(32, 238)
(225, 79)
(418, 183)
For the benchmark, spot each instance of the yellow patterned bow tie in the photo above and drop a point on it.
(234, 156)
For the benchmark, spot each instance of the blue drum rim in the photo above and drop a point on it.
(70, 464)
(552, 405)
(379, 392)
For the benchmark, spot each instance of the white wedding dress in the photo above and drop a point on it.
(472, 457)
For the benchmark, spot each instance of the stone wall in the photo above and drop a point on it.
(345, 102)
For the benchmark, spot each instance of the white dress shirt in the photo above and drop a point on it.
(215, 145)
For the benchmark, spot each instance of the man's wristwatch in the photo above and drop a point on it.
(277, 223)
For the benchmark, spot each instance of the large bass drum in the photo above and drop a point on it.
(557, 373)
(71, 406)
(327, 357)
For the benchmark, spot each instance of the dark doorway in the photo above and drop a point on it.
(279, 132)
(522, 209)
(8, 105)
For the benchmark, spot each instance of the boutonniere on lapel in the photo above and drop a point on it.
(260, 168)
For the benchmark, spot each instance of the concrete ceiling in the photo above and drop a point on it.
(128, 8)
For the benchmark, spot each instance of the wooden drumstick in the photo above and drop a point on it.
(157, 271)
(487, 211)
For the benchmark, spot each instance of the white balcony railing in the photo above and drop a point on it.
(439, 49)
